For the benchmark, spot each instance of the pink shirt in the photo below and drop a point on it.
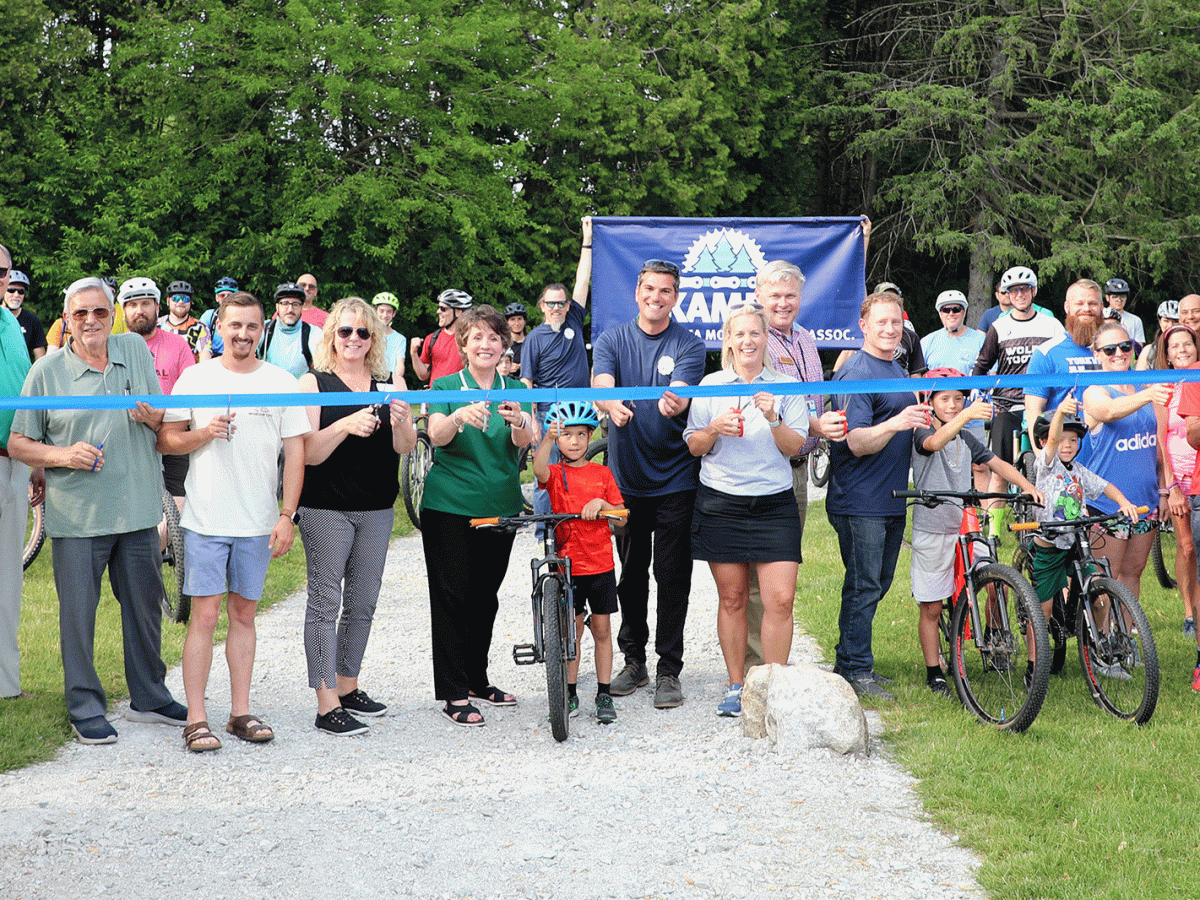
(171, 356)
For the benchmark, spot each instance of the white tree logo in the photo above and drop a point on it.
(723, 250)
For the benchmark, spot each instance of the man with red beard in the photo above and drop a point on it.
(1067, 354)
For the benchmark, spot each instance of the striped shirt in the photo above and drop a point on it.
(795, 355)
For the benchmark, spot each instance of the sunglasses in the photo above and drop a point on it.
(100, 312)
(181, 298)
(660, 265)
(1113, 349)
(17, 290)
(556, 304)
(345, 331)
(953, 310)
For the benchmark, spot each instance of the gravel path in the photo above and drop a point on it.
(673, 803)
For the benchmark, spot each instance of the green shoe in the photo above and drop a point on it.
(606, 713)
(573, 707)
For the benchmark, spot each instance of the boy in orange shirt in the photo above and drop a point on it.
(578, 486)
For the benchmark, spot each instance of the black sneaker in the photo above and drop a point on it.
(357, 701)
(338, 721)
(939, 686)
(94, 730)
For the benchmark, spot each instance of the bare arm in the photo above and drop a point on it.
(873, 438)
(175, 438)
(37, 455)
(419, 368)
(583, 271)
(1101, 408)
(284, 533)
(979, 410)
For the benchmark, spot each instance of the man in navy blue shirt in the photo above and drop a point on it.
(872, 462)
(656, 473)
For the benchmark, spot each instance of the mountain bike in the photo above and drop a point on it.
(35, 531)
(1116, 645)
(597, 451)
(1162, 554)
(993, 625)
(818, 463)
(414, 466)
(176, 604)
(555, 642)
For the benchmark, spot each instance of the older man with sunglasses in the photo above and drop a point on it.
(103, 503)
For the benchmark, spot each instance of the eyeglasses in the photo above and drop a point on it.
(345, 331)
(100, 312)
(1020, 289)
(17, 290)
(181, 298)
(660, 265)
(289, 303)
(952, 310)
(444, 308)
(1113, 349)
(556, 304)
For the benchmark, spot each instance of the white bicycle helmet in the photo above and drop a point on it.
(1017, 275)
(16, 276)
(1169, 309)
(138, 289)
(455, 299)
(950, 298)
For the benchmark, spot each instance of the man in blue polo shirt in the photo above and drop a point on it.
(656, 474)
(863, 471)
(1067, 354)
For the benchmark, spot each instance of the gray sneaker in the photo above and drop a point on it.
(866, 686)
(629, 679)
(668, 693)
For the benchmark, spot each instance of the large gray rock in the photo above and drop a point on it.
(801, 707)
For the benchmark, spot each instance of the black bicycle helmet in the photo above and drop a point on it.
(1116, 286)
(289, 289)
(180, 287)
(1041, 428)
(515, 309)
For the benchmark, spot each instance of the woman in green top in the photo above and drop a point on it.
(474, 474)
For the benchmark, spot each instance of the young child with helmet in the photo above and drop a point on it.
(576, 485)
(942, 456)
(1066, 486)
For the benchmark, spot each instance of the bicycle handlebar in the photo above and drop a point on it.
(937, 497)
(548, 518)
(1059, 524)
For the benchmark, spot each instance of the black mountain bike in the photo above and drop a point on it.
(1116, 646)
(554, 640)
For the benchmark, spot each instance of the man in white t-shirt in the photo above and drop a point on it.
(232, 523)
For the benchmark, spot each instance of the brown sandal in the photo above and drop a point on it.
(249, 728)
(198, 738)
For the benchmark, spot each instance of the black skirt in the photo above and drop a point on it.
(731, 529)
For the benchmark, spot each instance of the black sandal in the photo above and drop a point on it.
(461, 715)
(493, 695)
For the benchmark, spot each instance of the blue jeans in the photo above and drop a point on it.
(870, 547)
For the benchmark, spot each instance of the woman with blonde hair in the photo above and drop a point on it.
(746, 513)
(352, 457)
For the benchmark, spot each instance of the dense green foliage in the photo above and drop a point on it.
(415, 145)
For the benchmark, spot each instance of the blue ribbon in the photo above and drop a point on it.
(554, 395)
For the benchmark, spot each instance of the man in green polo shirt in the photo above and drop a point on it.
(103, 503)
(14, 494)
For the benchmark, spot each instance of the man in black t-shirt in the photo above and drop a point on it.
(31, 325)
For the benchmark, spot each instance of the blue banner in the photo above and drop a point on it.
(717, 260)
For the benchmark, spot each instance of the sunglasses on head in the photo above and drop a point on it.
(100, 312)
(1112, 349)
(660, 265)
(344, 331)
(953, 310)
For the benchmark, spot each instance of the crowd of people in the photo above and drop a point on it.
(719, 479)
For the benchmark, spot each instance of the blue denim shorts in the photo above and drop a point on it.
(214, 564)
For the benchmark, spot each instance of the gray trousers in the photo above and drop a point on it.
(754, 606)
(345, 552)
(14, 513)
(134, 564)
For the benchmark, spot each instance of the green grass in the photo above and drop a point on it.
(31, 730)
(1081, 805)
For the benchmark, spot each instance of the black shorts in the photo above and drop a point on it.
(731, 529)
(175, 469)
(597, 591)
(1004, 424)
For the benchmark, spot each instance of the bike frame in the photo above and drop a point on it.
(552, 566)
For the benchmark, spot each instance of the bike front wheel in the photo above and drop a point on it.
(176, 604)
(1120, 663)
(1162, 554)
(414, 466)
(554, 625)
(35, 533)
(818, 464)
(991, 670)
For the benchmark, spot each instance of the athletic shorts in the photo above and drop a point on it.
(216, 564)
(1004, 424)
(1123, 529)
(597, 591)
(1050, 569)
(932, 566)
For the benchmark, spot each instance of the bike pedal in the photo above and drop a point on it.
(524, 654)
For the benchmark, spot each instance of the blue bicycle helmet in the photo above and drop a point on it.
(573, 412)
(226, 284)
